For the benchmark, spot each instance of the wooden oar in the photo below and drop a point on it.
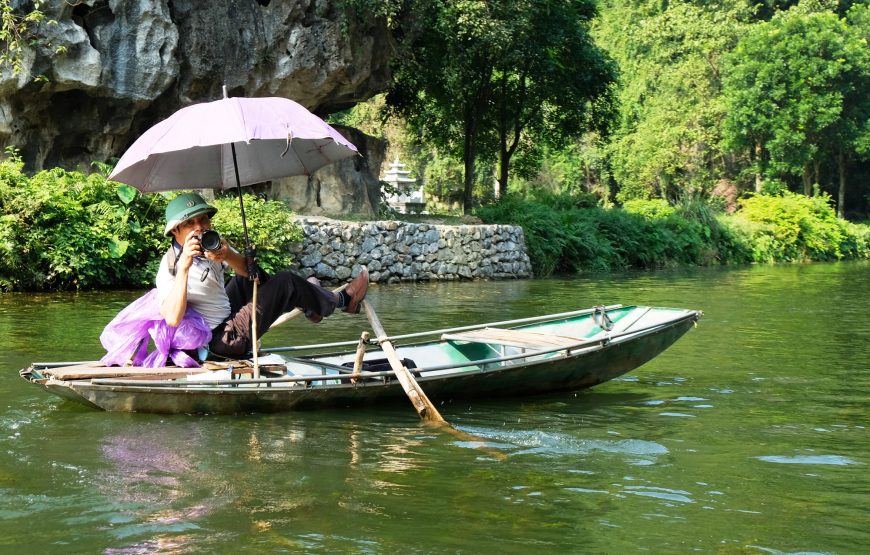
(415, 393)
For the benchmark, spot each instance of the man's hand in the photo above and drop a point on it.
(189, 251)
(219, 255)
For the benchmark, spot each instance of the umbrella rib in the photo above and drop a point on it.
(301, 163)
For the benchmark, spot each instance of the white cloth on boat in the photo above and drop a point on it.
(126, 337)
(205, 288)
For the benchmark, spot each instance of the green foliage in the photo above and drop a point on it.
(649, 209)
(62, 230)
(67, 230)
(486, 79)
(569, 234)
(793, 227)
(667, 133)
(271, 228)
(796, 91)
(14, 31)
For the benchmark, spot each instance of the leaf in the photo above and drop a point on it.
(117, 247)
(126, 194)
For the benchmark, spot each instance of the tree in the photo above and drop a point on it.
(666, 141)
(852, 134)
(14, 29)
(554, 83)
(474, 70)
(796, 89)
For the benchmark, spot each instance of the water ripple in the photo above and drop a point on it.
(660, 493)
(808, 459)
(536, 442)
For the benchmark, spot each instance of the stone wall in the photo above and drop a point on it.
(400, 251)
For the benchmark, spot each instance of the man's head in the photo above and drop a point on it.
(184, 207)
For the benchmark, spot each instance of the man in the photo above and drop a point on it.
(190, 276)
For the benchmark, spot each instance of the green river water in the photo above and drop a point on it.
(750, 435)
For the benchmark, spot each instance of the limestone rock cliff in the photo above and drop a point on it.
(109, 69)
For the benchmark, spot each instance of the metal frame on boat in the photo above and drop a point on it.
(557, 352)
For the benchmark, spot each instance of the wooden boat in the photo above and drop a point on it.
(557, 352)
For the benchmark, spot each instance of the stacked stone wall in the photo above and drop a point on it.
(394, 251)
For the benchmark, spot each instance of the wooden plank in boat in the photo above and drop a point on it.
(513, 338)
(88, 371)
(92, 371)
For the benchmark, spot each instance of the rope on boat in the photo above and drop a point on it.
(602, 320)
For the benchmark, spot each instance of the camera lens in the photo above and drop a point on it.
(210, 240)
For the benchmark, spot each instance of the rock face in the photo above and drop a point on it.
(360, 188)
(109, 69)
(399, 251)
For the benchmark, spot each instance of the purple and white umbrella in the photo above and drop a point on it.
(229, 143)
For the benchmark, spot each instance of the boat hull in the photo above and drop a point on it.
(568, 370)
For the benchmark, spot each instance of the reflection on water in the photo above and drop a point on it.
(748, 436)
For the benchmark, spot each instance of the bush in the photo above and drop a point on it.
(568, 235)
(62, 230)
(270, 227)
(67, 230)
(565, 234)
(792, 227)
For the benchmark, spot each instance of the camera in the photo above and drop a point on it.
(210, 240)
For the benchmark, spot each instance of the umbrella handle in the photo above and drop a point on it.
(251, 263)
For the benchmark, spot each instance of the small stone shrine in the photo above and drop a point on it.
(408, 198)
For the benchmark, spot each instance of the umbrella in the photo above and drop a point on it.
(229, 143)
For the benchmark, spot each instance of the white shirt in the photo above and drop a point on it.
(205, 288)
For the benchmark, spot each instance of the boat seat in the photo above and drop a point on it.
(513, 338)
(90, 371)
(98, 371)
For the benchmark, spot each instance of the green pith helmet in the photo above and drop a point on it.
(183, 207)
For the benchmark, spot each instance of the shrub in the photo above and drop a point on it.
(792, 227)
(570, 236)
(649, 209)
(68, 230)
(270, 227)
(62, 230)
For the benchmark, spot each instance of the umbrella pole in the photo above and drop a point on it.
(255, 343)
(250, 263)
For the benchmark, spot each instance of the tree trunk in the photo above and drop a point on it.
(503, 167)
(807, 179)
(468, 154)
(757, 156)
(841, 194)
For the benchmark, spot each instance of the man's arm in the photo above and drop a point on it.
(173, 306)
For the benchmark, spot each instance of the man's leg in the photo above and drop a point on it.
(282, 292)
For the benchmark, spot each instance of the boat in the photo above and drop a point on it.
(567, 351)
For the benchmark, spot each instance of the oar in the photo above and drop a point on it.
(415, 393)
